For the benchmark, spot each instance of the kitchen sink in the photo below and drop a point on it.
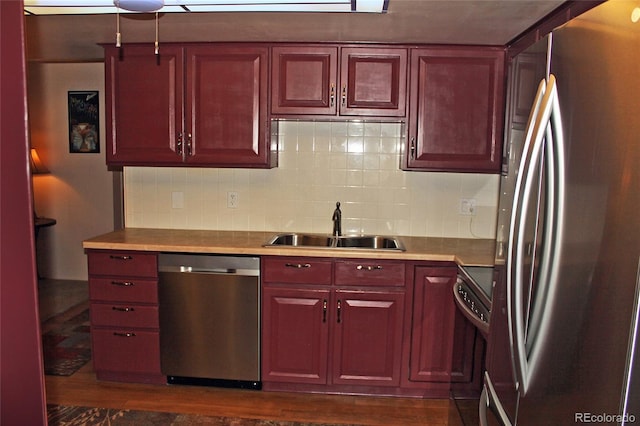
(361, 242)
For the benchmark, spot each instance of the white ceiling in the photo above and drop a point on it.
(491, 22)
(65, 7)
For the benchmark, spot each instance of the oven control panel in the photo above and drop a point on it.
(472, 302)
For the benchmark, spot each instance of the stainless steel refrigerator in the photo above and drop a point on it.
(563, 340)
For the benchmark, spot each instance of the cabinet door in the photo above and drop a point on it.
(367, 340)
(304, 80)
(144, 105)
(373, 81)
(226, 109)
(432, 333)
(455, 117)
(295, 333)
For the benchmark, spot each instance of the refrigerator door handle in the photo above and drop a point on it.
(528, 337)
(514, 277)
(490, 403)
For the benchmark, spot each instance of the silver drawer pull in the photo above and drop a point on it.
(121, 309)
(122, 283)
(115, 333)
(120, 257)
(298, 265)
(368, 268)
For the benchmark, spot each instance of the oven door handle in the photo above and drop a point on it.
(482, 326)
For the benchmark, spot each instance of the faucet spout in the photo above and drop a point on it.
(337, 221)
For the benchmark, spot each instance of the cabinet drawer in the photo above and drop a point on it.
(368, 272)
(123, 290)
(126, 351)
(123, 315)
(123, 263)
(297, 270)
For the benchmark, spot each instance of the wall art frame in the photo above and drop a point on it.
(84, 121)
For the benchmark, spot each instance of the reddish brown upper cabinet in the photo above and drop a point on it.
(144, 104)
(455, 110)
(344, 81)
(193, 104)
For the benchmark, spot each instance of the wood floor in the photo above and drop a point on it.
(83, 389)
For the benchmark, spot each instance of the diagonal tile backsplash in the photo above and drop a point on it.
(356, 163)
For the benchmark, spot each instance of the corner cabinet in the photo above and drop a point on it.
(433, 325)
(339, 81)
(191, 105)
(455, 110)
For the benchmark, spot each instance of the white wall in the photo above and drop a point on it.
(320, 163)
(79, 191)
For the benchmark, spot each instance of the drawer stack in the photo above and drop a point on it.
(123, 295)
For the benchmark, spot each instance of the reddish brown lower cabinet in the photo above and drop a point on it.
(338, 338)
(295, 335)
(433, 325)
(123, 296)
(367, 337)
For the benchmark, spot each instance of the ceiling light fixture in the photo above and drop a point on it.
(143, 6)
(139, 5)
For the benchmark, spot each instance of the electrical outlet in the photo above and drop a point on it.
(468, 206)
(232, 200)
(177, 200)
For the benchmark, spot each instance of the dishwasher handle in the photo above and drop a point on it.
(218, 271)
(207, 270)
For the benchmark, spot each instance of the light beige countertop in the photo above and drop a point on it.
(470, 252)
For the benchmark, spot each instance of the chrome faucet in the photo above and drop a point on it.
(337, 221)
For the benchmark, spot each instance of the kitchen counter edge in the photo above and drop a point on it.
(463, 251)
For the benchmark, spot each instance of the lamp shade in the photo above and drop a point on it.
(37, 166)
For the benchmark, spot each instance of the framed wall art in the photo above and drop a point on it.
(84, 122)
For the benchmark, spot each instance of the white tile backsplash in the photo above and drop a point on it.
(356, 163)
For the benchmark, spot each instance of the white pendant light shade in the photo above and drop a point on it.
(139, 5)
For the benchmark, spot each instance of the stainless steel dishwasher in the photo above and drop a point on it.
(210, 319)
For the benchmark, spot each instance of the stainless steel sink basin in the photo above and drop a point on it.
(304, 240)
(361, 242)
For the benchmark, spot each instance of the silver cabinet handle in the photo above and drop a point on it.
(179, 144)
(189, 152)
(332, 95)
(297, 265)
(115, 333)
(339, 310)
(122, 309)
(324, 310)
(123, 283)
(116, 257)
(369, 268)
(412, 148)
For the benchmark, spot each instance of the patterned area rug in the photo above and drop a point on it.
(67, 346)
(90, 416)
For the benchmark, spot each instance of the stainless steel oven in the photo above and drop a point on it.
(472, 294)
